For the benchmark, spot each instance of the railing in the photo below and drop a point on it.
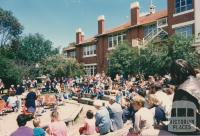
(148, 38)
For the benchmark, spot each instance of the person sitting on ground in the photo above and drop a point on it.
(11, 90)
(115, 112)
(103, 122)
(89, 124)
(23, 130)
(56, 127)
(37, 131)
(143, 118)
(12, 102)
(153, 105)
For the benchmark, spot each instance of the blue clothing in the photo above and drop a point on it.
(116, 112)
(159, 114)
(38, 132)
(103, 122)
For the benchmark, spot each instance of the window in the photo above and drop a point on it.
(162, 22)
(72, 54)
(150, 29)
(115, 40)
(89, 50)
(181, 112)
(184, 32)
(183, 5)
(190, 112)
(90, 70)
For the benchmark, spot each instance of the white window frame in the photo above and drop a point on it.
(160, 21)
(183, 33)
(90, 69)
(89, 50)
(112, 37)
(186, 6)
(72, 54)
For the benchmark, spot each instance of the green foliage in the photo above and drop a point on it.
(59, 66)
(10, 72)
(154, 58)
(10, 28)
(33, 48)
(121, 60)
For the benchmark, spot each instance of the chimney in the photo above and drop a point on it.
(82, 36)
(78, 36)
(135, 13)
(101, 20)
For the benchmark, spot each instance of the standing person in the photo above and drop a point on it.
(30, 101)
(187, 85)
(56, 127)
(103, 122)
(37, 131)
(115, 111)
(23, 130)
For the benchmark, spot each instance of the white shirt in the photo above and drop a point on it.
(165, 102)
(143, 120)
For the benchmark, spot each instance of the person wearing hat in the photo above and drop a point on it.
(103, 122)
(115, 112)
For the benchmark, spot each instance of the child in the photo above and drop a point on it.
(89, 125)
(153, 105)
(37, 131)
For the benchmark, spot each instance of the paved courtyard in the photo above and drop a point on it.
(8, 123)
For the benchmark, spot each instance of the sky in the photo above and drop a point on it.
(57, 20)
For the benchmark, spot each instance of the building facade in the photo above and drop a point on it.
(179, 17)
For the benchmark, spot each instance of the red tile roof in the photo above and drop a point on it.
(89, 40)
(142, 21)
(152, 17)
(70, 47)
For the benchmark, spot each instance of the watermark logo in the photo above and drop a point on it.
(183, 117)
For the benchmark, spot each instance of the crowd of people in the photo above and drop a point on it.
(146, 101)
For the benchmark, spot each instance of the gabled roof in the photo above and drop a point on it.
(143, 20)
(70, 47)
(152, 17)
(89, 40)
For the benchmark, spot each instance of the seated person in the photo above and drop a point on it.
(89, 124)
(115, 112)
(153, 105)
(56, 127)
(37, 131)
(143, 118)
(23, 130)
(103, 122)
(12, 102)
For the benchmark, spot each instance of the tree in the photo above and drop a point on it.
(181, 48)
(59, 66)
(10, 72)
(10, 28)
(155, 58)
(122, 60)
(33, 48)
